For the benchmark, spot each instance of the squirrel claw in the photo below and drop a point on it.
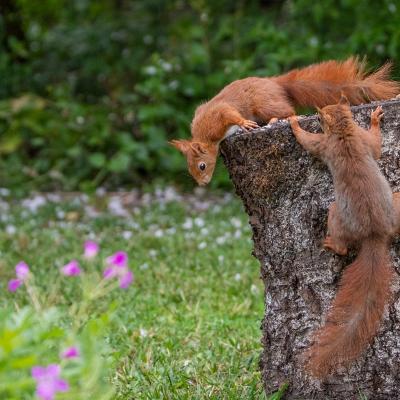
(248, 124)
(294, 124)
(377, 114)
(330, 245)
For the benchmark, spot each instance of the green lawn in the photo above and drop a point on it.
(189, 327)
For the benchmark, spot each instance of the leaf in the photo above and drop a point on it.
(120, 162)
(10, 142)
(97, 159)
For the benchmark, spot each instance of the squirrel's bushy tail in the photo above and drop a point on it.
(319, 85)
(356, 312)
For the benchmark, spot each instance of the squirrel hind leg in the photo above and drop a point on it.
(335, 241)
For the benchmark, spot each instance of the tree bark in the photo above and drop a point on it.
(286, 193)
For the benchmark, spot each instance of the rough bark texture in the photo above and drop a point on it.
(286, 193)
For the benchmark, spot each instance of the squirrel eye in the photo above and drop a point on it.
(202, 166)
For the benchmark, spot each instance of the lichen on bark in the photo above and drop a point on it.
(286, 193)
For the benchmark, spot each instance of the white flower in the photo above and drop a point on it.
(204, 231)
(202, 245)
(34, 203)
(199, 222)
(150, 70)
(11, 229)
(143, 332)
(254, 289)
(237, 234)
(153, 253)
(100, 192)
(237, 277)
(166, 66)
(221, 258)
(159, 233)
(236, 222)
(116, 208)
(60, 214)
(188, 224)
(127, 234)
(144, 266)
(221, 240)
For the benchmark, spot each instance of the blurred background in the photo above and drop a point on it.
(91, 90)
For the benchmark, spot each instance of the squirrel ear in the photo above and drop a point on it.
(198, 148)
(182, 145)
(343, 99)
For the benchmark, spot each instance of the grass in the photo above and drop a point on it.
(189, 328)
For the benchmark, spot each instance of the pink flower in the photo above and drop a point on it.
(90, 249)
(70, 352)
(48, 381)
(109, 273)
(14, 284)
(22, 273)
(71, 269)
(22, 270)
(118, 267)
(118, 259)
(126, 279)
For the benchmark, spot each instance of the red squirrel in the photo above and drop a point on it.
(366, 215)
(246, 102)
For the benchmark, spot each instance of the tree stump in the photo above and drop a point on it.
(286, 193)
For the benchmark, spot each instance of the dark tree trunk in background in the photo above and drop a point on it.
(286, 193)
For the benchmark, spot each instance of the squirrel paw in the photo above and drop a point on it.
(294, 124)
(273, 120)
(377, 115)
(248, 124)
(331, 245)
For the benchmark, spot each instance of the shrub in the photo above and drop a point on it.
(94, 89)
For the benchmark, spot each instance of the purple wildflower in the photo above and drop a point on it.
(126, 279)
(22, 272)
(14, 284)
(70, 352)
(90, 249)
(71, 269)
(109, 273)
(48, 381)
(118, 259)
(118, 267)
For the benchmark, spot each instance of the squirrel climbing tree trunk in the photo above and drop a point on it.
(287, 193)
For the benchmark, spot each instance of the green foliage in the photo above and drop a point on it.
(112, 81)
(28, 338)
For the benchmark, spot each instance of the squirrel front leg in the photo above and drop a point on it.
(233, 117)
(311, 142)
(373, 137)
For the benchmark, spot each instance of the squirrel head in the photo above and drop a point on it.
(201, 158)
(336, 118)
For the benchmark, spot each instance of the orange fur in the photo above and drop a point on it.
(322, 84)
(253, 100)
(366, 215)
